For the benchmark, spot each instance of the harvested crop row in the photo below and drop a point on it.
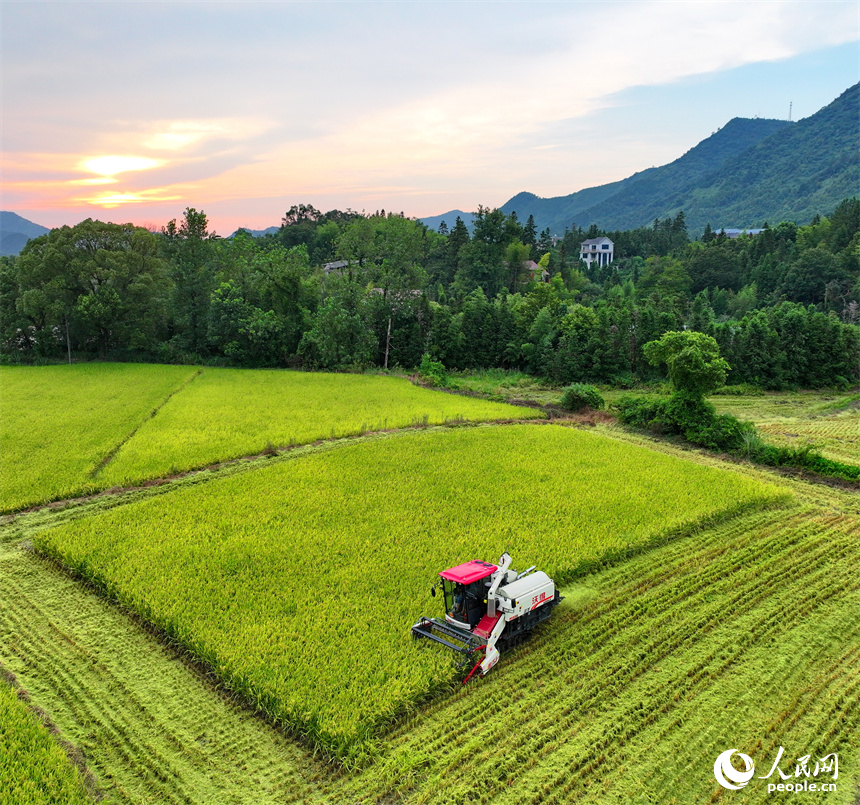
(746, 638)
(59, 422)
(297, 583)
(150, 728)
(837, 438)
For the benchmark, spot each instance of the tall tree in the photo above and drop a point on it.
(189, 248)
(97, 283)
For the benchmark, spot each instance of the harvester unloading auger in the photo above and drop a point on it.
(488, 607)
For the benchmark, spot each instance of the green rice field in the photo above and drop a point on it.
(254, 573)
(59, 423)
(241, 635)
(34, 770)
(74, 430)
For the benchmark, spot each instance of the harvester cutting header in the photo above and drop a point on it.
(488, 607)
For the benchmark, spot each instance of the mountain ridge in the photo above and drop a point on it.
(751, 171)
(15, 231)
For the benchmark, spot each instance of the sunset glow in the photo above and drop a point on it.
(243, 111)
(112, 165)
(108, 200)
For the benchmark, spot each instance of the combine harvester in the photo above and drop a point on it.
(488, 606)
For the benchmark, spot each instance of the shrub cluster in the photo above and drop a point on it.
(696, 420)
(434, 373)
(578, 396)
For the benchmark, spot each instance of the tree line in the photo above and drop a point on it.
(345, 290)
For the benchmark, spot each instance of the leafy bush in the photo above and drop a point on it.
(640, 412)
(580, 395)
(686, 413)
(434, 373)
(724, 432)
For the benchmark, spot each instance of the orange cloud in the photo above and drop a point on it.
(111, 165)
(108, 200)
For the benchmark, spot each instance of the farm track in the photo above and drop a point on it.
(150, 727)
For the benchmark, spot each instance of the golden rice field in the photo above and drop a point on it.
(34, 770)
(296, 583)
(58, 423)
(72, 430)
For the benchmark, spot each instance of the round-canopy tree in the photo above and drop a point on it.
(693, 361)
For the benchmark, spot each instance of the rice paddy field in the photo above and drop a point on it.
(241, 635)
(60, 423)
(255, 572)
(74, 430)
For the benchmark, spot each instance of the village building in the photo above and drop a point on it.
(733, 234)
(536, 272)
(599, 250)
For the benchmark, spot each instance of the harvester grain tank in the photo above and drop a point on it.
(487, 607)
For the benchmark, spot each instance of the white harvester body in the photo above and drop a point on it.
(487, 606)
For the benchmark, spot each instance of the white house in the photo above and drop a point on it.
(736, 233)
(601, 250)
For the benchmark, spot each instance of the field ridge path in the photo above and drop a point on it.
(112, 453)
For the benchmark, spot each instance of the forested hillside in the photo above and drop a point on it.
(784, 305)
(652, 193)
(748, 173)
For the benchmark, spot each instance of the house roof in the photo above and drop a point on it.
(735, 233)
(596, 241)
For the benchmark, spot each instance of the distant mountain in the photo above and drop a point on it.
(257, 233)
(663, 191)
(449, 218)
(15, 231)
(747, 173)
(804, 169)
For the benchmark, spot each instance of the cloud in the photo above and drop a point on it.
(355, 100)
(112, 165)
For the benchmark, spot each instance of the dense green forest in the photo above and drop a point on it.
(342, 290)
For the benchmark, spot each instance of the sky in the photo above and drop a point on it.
(133, 111)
